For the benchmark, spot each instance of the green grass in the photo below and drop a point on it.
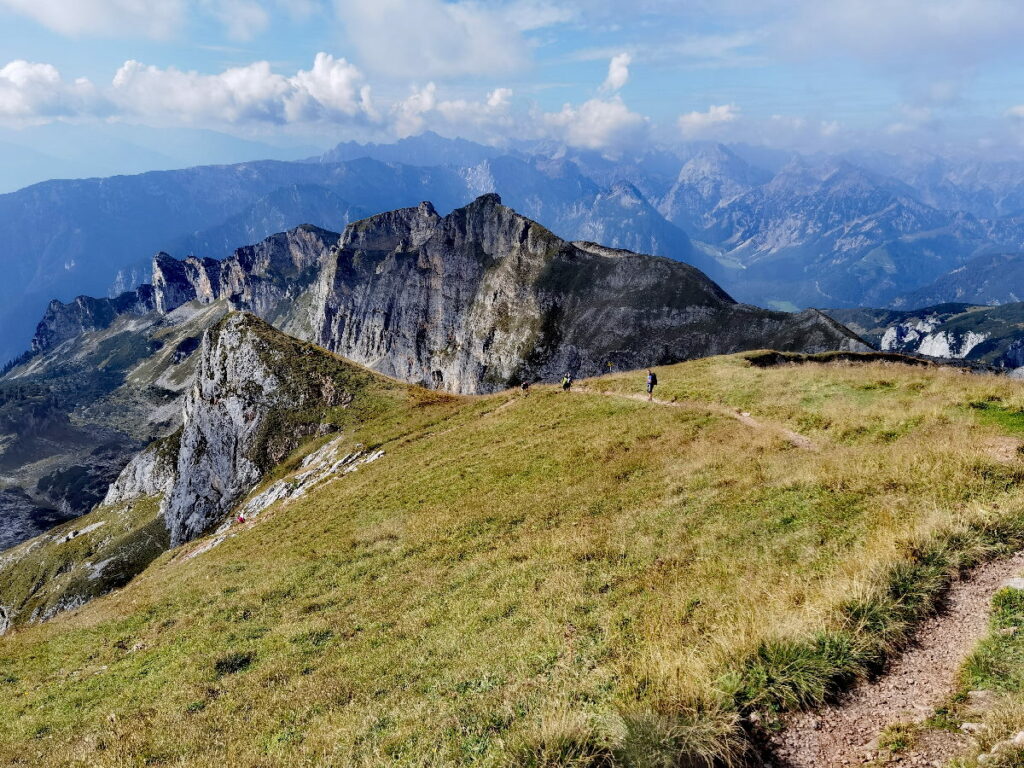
(898, 737)
(551, 580)
(1010, 420)
(996, 666)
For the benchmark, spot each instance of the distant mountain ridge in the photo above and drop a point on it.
(774, 228)
(495, 297)
(475, 301)
(977, 334)
(991, 278)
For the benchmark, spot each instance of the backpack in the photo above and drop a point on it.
(654, 379)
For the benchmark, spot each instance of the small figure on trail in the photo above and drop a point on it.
(241, 517)
(652, 382)
(566, 382)
(525, 387)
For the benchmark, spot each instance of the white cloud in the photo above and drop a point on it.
(31, 92)
(150, 18)
(499, 97)
(141, 18)
(618, 73)
(243, 19)
(489, 119)
(605, 124)
(332, 90)
(432, 38)
(696, 124)
(912, 118)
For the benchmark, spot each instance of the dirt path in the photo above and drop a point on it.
(908, 691)
(800, 441)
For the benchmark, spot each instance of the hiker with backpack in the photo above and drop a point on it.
(652, 382)
(567, 382)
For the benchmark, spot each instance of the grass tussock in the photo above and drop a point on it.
(550, 580)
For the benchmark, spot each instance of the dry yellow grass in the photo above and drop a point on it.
(557, 579)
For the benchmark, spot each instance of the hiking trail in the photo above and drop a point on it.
(795, 438)
(908, 691)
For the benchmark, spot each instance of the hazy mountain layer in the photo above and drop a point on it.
(774, 229)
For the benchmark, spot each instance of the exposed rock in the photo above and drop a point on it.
(23, 517)
(223, 414)
(484, 298)
(149, 473)
(256, 278)
(66, 321)
(257, 395)
(991, 336)
(317, 467)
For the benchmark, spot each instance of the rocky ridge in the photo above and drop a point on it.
(484, 298)
(992, 336)
(475, 301)
(258, 394)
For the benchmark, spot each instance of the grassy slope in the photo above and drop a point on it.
(523, 581)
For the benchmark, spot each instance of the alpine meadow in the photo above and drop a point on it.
(511, 384)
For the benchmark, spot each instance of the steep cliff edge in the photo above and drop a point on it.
(263, 278)
(258, 395)
(475, 301)
(484, 298)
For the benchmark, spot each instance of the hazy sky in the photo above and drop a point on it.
(604, 75)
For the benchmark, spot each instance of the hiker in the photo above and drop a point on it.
(566, 382)
(525, 387)
(652, 382)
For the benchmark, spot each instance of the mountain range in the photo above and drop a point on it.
(479, 300)
(773, 228)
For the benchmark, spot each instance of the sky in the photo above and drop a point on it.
(301, 75)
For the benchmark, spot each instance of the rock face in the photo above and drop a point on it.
(257, 278)
(83, 314)
(224, 415)
(149, 473)
(992, 336)
(257, 395)
(484, 298)
(263, 278)
(474, 301)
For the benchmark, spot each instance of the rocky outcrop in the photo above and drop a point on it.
(149, 473)
(223, 416)
(484, 298)
(257, 278)
(474, 301)
(257, 395)
(83, 314)
(985, 336)
(263, 278)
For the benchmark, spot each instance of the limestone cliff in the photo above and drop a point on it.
(484, 298)
(264, 278)
(257, 395)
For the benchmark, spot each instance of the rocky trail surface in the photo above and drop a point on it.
(907, 692)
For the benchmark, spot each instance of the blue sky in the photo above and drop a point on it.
(940, 75)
